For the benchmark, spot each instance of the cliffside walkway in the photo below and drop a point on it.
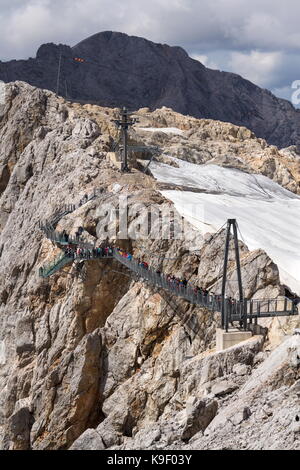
(50, 225)
(76, 249)
(58, 238)
(63, 259)
(236, 310)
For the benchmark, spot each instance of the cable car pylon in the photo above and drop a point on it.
(124, 122)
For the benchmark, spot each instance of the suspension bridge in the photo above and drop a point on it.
(232, 310)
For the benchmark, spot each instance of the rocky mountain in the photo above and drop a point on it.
(93, 358)
(121, 70)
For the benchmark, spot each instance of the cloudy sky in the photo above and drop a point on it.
(258, 39)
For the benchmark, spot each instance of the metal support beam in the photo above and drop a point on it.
(237, 259)
(225, 272)
(124, 123)
(226, 309)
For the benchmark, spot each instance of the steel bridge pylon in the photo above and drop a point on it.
(225, 314)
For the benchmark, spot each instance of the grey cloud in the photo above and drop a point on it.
(230, 33)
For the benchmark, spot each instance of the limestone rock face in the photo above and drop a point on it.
(266, 406)
(199, 414)
(93, 357)
(219, 143)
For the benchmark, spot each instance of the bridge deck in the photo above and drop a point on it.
(254, 308)
(235, 310)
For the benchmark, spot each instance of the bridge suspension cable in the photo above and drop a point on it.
(231, 309)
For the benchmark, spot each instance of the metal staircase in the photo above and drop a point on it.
(58, 263)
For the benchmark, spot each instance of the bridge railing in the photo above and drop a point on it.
(236, 310)
(205, 300)
(65, 258)
(58, 237)
(66, 209)
(271, 307)
(60, 261)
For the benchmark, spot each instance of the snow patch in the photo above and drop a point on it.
(166, 130)
(267, 214)
(116, 188)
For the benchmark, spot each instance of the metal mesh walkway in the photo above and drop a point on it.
(49, 225)
(60, 239)
(235, 310)
(232, 310)
(64, 259)
(58, 263)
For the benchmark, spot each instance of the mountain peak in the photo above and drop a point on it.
(122, 70)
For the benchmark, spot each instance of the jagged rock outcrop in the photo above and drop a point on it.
(262, 413)
(208, 141)
(122, 70)
(102, 357)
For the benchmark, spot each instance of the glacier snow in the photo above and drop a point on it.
(268, 215)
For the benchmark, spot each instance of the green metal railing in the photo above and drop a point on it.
(60, 239)
(58, 263)
(66, 209)
(63, 259)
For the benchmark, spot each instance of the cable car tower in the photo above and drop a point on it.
(124, 123)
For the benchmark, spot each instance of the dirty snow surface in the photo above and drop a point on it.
(268, 215)
(166, 130)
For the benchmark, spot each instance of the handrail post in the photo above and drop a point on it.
(223, 312)
(245, 305)
(226, 314)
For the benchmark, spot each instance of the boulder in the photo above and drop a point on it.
(199, 413)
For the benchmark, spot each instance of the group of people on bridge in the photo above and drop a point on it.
(173, 281)
(74, 252)
(182, 285)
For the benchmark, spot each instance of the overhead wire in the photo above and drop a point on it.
(82, 61)
(190, 253)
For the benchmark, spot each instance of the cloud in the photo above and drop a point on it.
(258, 67)
(204, 60)
(234, 24)
(260, 39)
(285, 92)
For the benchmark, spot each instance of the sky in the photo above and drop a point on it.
(258, 39)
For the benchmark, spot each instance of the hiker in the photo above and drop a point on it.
(296, 300)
